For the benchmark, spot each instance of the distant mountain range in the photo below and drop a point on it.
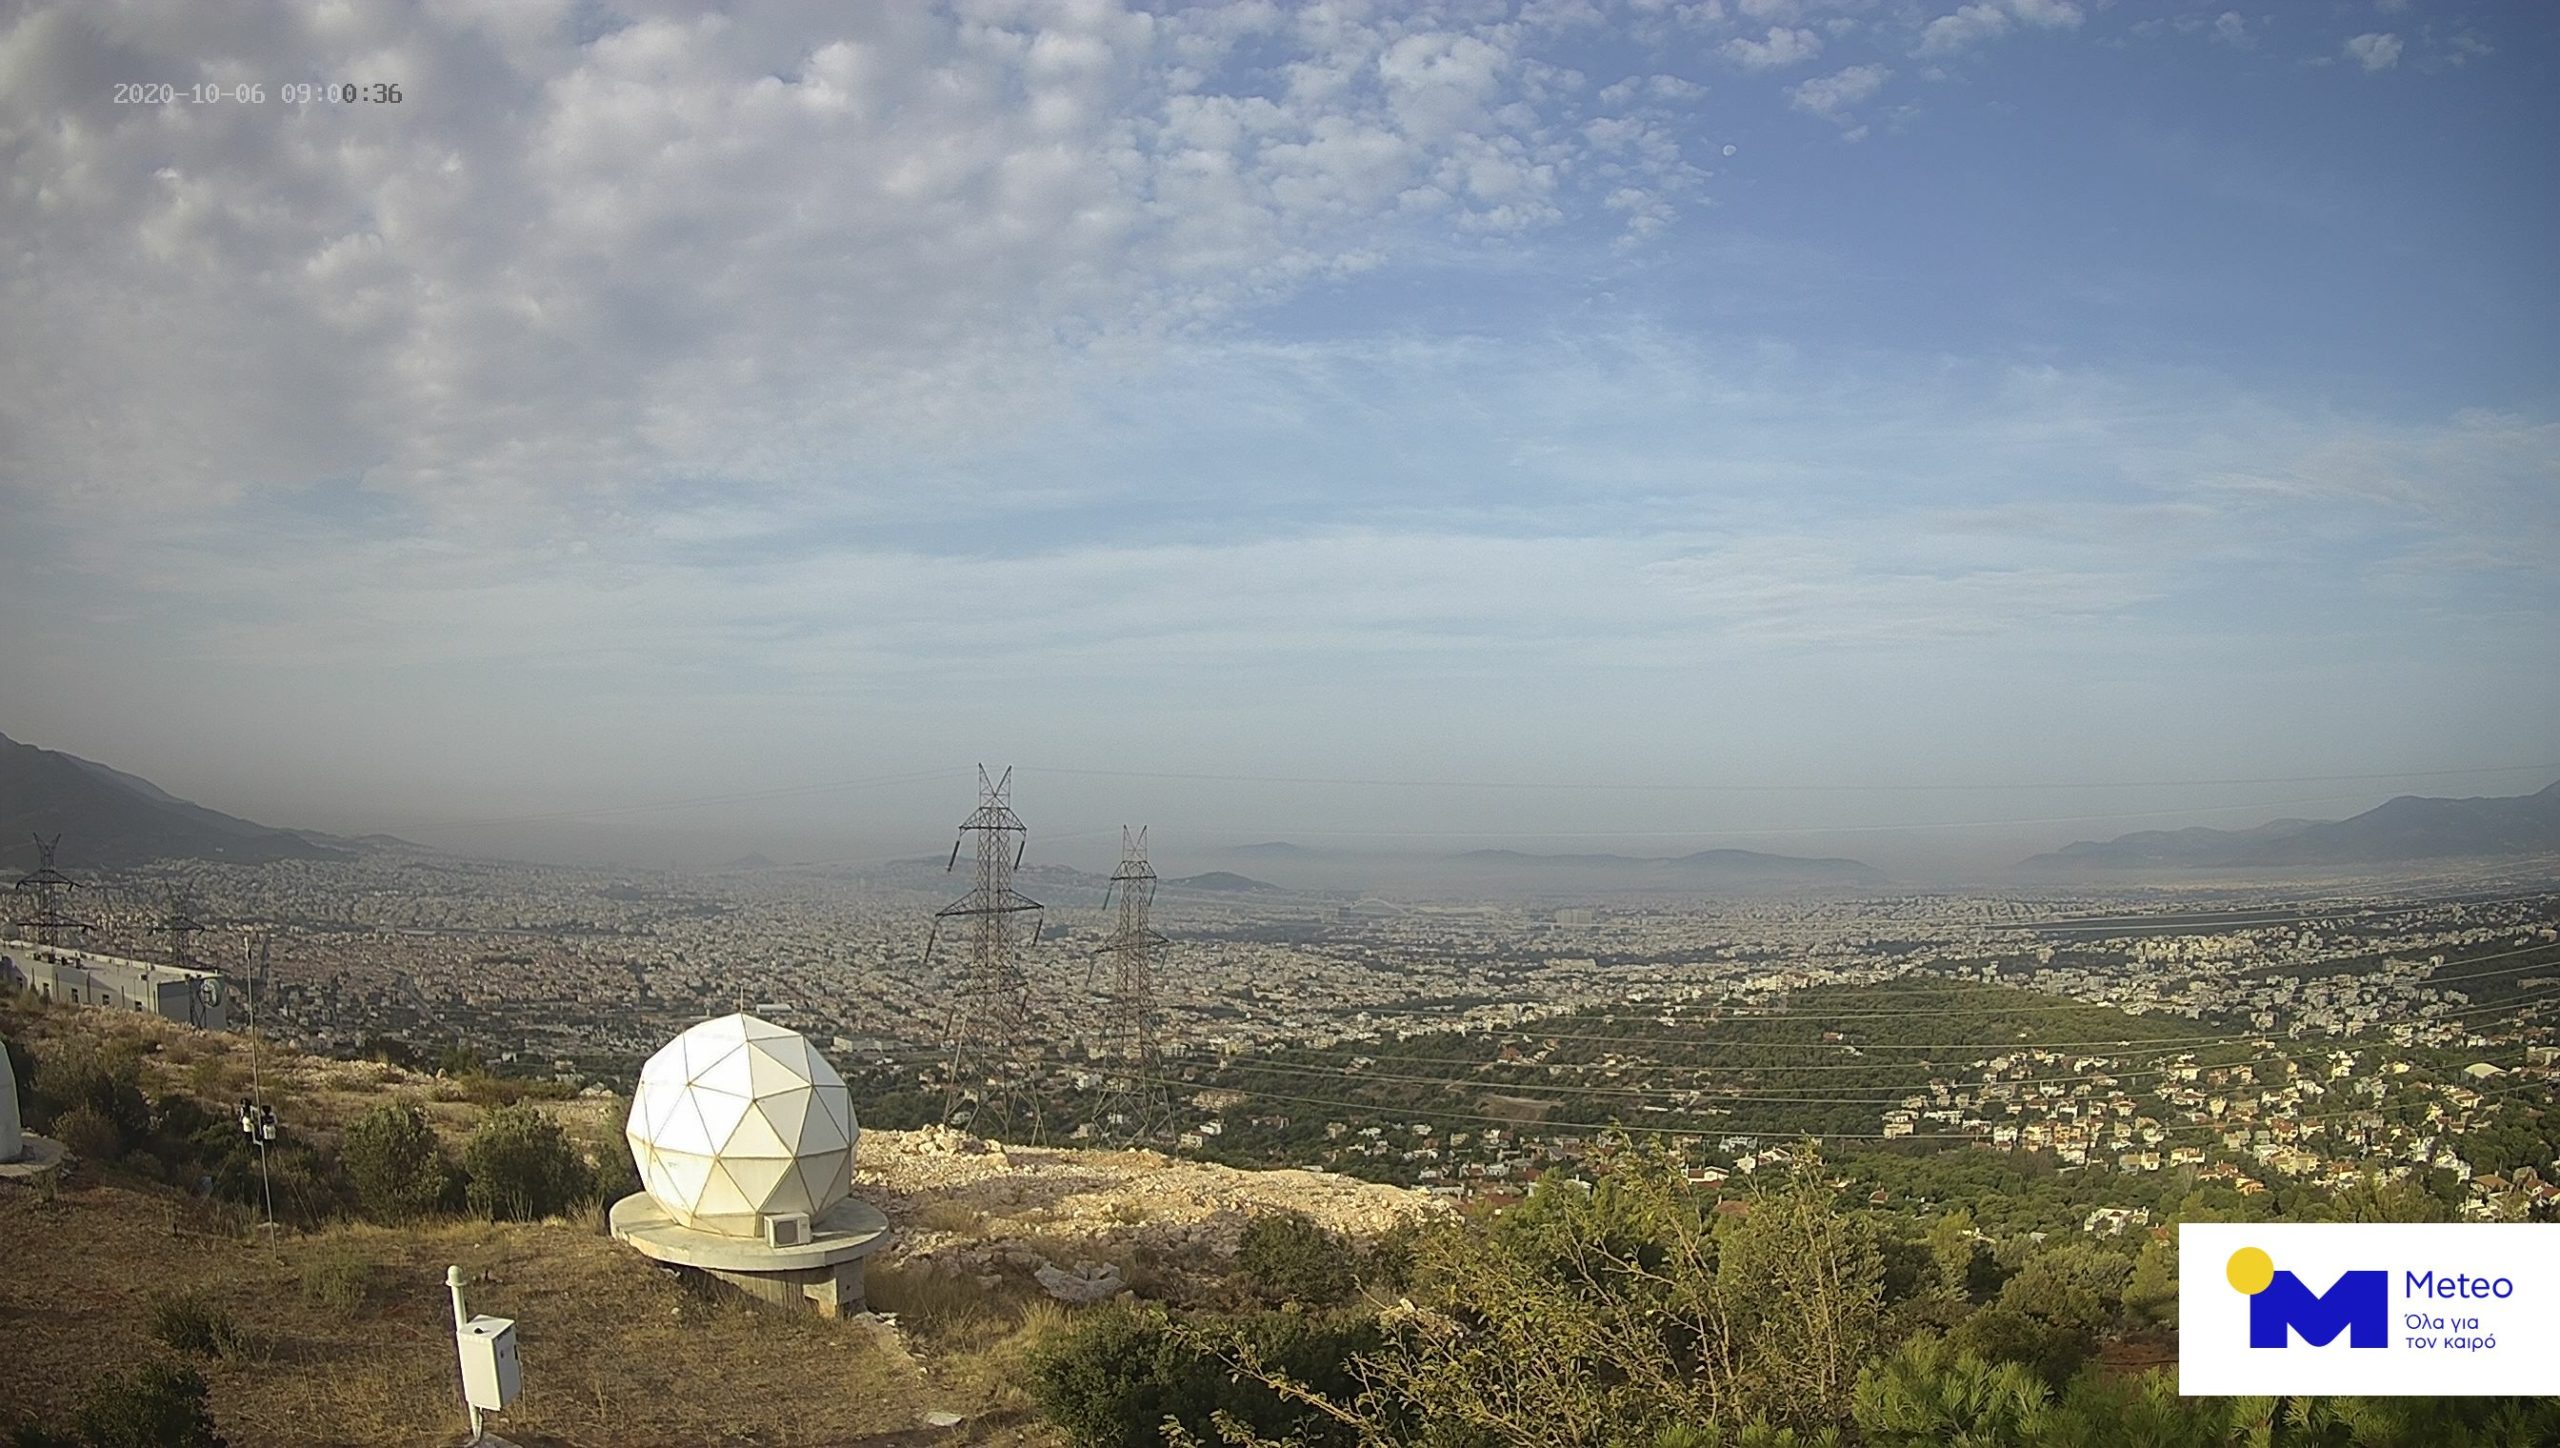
(109, 818)
(2408, 828)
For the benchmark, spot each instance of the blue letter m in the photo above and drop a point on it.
(2358, 1301)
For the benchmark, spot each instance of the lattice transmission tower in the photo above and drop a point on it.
(46, 922)
(1133, 1107)
(179, 923)
(989, 1087)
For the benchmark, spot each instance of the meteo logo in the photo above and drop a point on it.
(2464, 1307)
(2358, 1304)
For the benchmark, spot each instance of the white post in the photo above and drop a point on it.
(461, 1317)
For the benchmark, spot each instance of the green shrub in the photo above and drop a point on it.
(338, 1278)
(156, 1405)
(196, 1323)
(522, 1167)
(1288, 1258)
(86, 1133)
(617, 1175)
(1116, 1373)
(397, 1166)
(106, 1082)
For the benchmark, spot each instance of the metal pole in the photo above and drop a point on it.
(461, 1320)
(258, 1093)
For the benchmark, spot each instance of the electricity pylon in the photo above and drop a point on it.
(46, 920)
(989, 1087)
(1133, 1107)
(179, 923)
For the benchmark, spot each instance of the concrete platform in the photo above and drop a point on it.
(40, 1157)
(826, 1270)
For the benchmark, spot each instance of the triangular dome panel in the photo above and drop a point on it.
(756, 1137)
(686, 1176)
(789, 1112)
(775, 1066)
(839, 1108)
(758, 1180)
(825, 1177)
(683, 1129)
(731, 1072)
(721, 1113)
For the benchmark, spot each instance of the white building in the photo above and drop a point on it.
(87, 978)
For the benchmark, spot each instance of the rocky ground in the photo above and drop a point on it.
(966, 1206)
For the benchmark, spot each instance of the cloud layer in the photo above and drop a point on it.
(656, 393)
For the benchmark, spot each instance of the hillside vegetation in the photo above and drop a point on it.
(1619, 1306)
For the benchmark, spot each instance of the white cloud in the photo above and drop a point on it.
(2232, 29)
(760, 245)
(2375, 51)
(1835, 96)
(1782, 48)
(1970, 25)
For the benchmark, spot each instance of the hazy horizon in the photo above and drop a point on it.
(1814, 426)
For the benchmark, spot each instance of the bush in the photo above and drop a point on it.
(523, 1168)
(157, 1405)
(398, 1167)
(617, 1175)
(106, 1083)
(339, 1279)
(194, 1322)
(1118, 1372)
(1288, 1258)
(88, 1135)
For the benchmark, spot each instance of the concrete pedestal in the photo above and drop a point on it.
(38, 1157)
(824, 1272)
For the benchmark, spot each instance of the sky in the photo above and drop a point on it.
(1796, 424)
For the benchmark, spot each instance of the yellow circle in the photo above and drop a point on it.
(2250, 1270)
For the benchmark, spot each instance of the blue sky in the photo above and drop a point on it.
(2031, 396)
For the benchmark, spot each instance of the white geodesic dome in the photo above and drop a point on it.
(737, 1120)
(12, 1140)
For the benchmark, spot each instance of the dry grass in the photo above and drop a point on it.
(347, 1331)
(615, 1351)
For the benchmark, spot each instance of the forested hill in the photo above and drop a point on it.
(110, 818)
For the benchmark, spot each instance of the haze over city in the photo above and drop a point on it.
(1349, 425)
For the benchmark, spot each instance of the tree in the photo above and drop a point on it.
(2151, 1296)
(523, 1168)
(1803, 1287)
(1928, 1394)
(399, 1168)
(1288, 1258)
